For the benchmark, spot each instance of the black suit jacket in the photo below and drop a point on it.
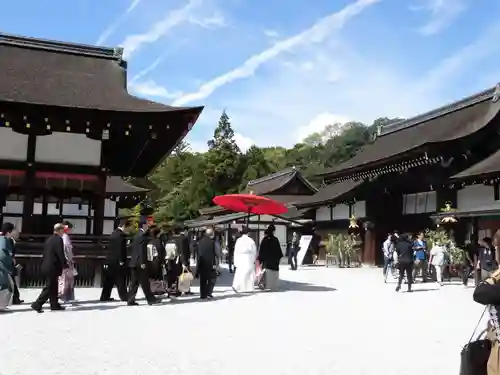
(117, 248)
(139, 249)
(207, 258)
(53, 261)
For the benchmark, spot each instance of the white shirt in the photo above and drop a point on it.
(438, 255)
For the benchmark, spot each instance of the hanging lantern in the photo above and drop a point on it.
(448, 218)
(353, 222)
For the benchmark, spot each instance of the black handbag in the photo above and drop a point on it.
(475, 354)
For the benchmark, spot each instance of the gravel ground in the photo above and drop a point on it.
(326, 321)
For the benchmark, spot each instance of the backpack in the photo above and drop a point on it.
(171, 249)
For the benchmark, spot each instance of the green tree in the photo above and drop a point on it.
(222, 160)
(255, 165)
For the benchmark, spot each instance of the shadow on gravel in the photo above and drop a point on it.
(220, 297)
(290, 286)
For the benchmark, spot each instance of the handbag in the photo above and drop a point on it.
(475, 354)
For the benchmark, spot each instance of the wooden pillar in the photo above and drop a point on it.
(29, 184)
(369, 250)
(99, 198)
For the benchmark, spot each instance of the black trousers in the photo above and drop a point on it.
(114, 275)
(49, 293)
(230, 260)
(208, 279)
(292, 259)
(16, 298)
(139, 276)
(405, 268)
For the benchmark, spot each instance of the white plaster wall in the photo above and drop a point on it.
(13, 207)
(17, 221)
(340, 211)
(477, 197)
(108, 227)
(359, 209)
(67, 148)
(79, 225)
(323, 214)
(419, 203)
(13, 146)
(72, 209)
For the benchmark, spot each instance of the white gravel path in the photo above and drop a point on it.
(362, 327)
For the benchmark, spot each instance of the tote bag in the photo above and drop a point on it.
(475, 354)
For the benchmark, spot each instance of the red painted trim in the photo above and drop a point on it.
(67, 176)
(11, 172)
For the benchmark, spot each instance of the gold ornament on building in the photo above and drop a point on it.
(449, 217)
(353, 222)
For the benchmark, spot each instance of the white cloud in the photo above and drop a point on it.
(273, 34)
(171, 20)
(116, 23)
(151, 89)
(315, 34)
(442, 13)
(283, 105)
(212, 22)
(318, 123)
(244, 143)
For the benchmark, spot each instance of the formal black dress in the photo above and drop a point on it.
(53, 263)
(206, 267)
(114, 267)
(138, 270)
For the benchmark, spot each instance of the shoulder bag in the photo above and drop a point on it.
(475, 354)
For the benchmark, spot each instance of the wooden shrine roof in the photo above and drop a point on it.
(118, 186)
(486, 167)
(330, 194)
(37, 71)
(454, 121)
(269, 184)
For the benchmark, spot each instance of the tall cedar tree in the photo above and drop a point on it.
(222, 160)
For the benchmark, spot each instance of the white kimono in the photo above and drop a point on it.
(245, 253)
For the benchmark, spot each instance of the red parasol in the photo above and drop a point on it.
(251, 204)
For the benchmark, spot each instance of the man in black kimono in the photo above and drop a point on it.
(206, 267)
(114, 267)
(138, 269)
(53, 263)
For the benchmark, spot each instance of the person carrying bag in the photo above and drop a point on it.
(475, 354)
(484, 354)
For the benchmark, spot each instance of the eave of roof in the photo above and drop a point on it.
(487, 167)
(330, 194)
(272, 182)
(52, 73)
(453, 121)
(118, 186)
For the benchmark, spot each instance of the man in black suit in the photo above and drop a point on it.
(114, 267)
(53, 263)
(206, 267)
(137, 265)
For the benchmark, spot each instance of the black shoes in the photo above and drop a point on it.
(154, 302)
(38, 309)
(398, 288)
(133, 303)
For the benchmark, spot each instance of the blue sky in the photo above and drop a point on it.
(284, 68)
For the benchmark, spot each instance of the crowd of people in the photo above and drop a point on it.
(408, 258)
(157, 261)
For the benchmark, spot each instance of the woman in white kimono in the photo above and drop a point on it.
(67, 279)
(245, 254)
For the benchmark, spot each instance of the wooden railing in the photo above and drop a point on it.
(89, 251)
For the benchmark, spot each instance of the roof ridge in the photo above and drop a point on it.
(272, 175)
(438, 112)
(62, 47)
